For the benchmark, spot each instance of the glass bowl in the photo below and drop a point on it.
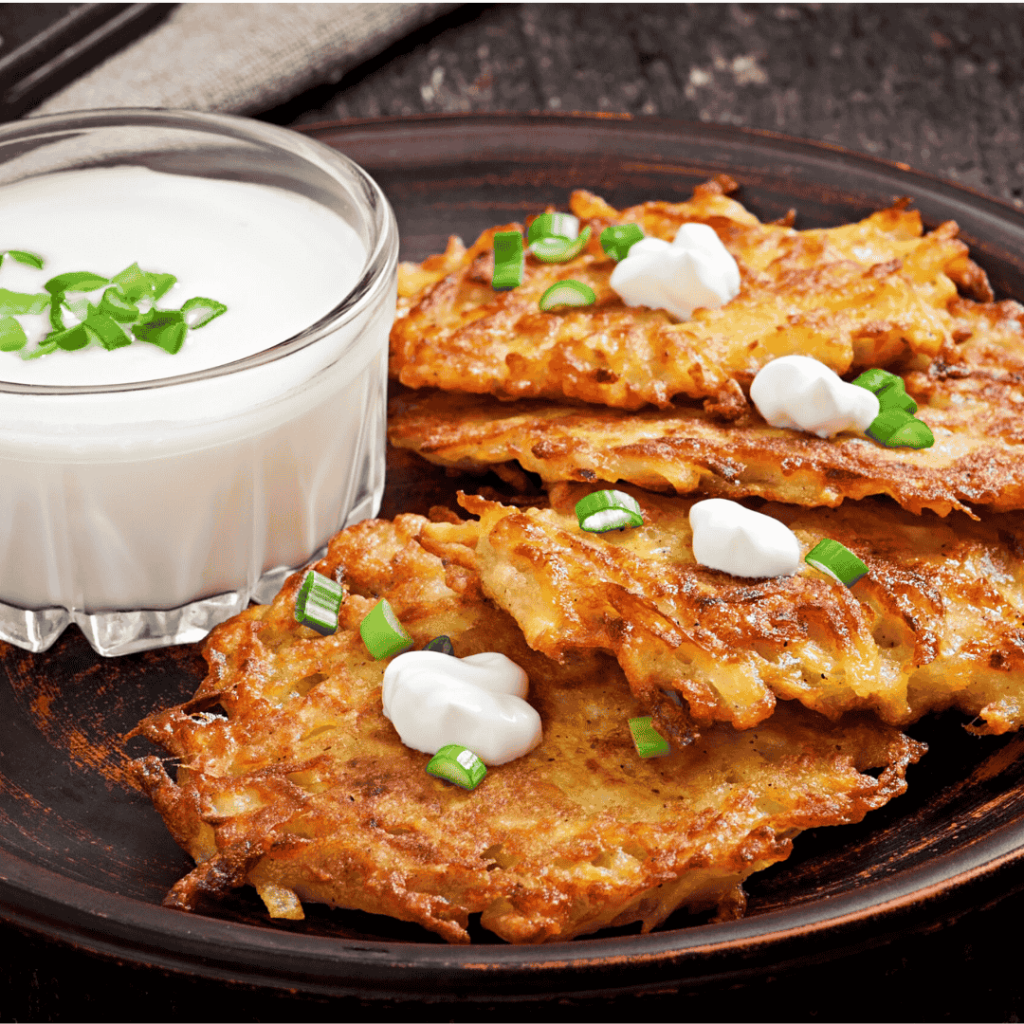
(149, 512)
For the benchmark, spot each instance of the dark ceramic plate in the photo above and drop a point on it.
(85, 860)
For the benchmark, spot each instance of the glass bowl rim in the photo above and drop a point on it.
(381, 259)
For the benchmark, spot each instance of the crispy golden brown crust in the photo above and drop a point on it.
(937, 622)
(299, 786)
(853, 297)
(290, 779)
(974, 405)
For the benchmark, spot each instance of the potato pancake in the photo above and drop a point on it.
(291, 779)
(938, 621)
(973, 404)
(853, 297)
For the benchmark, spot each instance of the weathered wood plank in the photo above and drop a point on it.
(940, 87)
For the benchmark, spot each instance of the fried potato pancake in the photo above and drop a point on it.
(853, 297)
(300, 787)
(937, 622)
(974, 405)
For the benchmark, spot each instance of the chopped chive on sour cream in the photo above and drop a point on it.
(895, 426)
(30, 259)
(85, 309)
(279, 261)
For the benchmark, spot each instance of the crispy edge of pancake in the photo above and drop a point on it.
(457, 333)
(973, 402)
(937, 622)
(303, 789)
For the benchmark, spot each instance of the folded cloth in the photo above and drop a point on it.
(241, 58)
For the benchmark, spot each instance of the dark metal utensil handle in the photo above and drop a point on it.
(68, 48)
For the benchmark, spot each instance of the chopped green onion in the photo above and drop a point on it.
(75, 281)
(915, 434)
(132, 282)
(57, 312)
(559, 225)
(608, 510)
(382, 633)
(135, 283)
(44, 348)
(441, 644)
(115, 305)
(163, 327)
(555, 249)
(565, 294)
(509, 260)
(20, 303)
(894, 396)
(888, 388)
(161, 283)
(30, 259)
(617, 239)
(458, 764)
(318, 603)
(110, 333)
(78, 306)
(875, 379)
(76, 322)
(886, 423)
(837, 560)
(60, 304)
(647, 740)
(72, 339)
(898, 429)
(12, 335)
(198, 312)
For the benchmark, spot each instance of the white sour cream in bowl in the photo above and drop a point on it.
(145, 495)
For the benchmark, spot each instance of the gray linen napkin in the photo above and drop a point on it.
(241, 58)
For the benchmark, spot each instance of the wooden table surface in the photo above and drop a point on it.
(939, 87)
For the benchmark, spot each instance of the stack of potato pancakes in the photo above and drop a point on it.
(783, 699)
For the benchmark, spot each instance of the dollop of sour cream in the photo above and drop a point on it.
(691, 271)
(802, 393)
(434, 699)
(729, 537)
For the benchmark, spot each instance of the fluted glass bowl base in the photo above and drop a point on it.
(115, 633)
